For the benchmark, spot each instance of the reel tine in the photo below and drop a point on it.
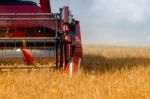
(5, 49)
(2, 53)
(49, 52)
(40, 55)
(12, 52)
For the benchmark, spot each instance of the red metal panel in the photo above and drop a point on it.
(24, 9)
(75, 65)
(16, 34)
(20, 9)
(66, 14)
(78, 40)
(45, 6)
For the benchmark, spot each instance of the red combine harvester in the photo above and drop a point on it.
(30, 28)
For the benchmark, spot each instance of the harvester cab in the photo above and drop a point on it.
(39, 35)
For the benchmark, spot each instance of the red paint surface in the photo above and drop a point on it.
(45, 6)
(75, 64)
(24, 9)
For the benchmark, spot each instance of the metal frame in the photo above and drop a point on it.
(40, 42)
(27, 16)
(57, 40)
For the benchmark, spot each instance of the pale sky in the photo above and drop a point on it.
(111, 22)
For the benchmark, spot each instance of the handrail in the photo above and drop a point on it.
(29, 14)
(28, 38)
(28, 19)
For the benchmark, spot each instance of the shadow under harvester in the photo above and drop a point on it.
(100, 64)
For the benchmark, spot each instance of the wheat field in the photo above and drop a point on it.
(107, 72)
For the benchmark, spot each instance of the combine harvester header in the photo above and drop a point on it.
(26, 26)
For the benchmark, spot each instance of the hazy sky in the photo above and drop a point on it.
(111, 22)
